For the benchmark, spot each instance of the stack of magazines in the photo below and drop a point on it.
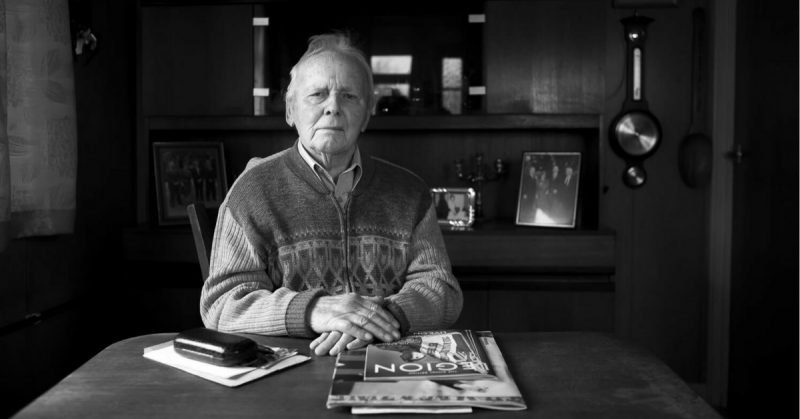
(445, 371)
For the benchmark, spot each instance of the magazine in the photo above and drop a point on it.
(349, 389)
(437, 355)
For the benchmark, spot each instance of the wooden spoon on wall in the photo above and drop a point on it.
(694, 152)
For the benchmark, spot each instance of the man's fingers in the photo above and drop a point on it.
(345, 324)
(333, 343)
(341, 344)
(381, 302)
(387, 330)
(318, 340)
(325, 346)
(360, 327)
(358, 343)
(375, 305)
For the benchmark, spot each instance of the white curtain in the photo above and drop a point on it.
(38, 133)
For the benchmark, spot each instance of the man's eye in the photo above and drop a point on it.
(350, 96)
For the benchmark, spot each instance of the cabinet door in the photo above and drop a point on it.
(521, 308)
(197, 60)
(545, 56)
(13, 277)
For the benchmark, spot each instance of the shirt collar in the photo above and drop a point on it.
(355, 165)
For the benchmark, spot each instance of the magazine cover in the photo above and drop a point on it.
(439, 355)
(348, 387)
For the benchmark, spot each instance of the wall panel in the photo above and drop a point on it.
(544, 56)
(198, 61)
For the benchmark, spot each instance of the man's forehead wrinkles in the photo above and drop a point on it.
(329, 84)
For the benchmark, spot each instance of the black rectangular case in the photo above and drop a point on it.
(217, 348)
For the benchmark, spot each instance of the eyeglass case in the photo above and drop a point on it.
(214, 347)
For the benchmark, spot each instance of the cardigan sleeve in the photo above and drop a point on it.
(239, 296)
(431, 297)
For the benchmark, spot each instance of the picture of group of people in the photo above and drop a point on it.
(454, 205)
(188, 174)
(548, 192)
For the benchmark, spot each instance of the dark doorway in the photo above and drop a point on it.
(764, 283)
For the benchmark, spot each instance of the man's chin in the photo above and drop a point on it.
(332, 144)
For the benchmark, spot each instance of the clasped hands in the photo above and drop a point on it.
(350, 321)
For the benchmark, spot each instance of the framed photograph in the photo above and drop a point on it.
(548, 189)
(455, 207)
(186, 173)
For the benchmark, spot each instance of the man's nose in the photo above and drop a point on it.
(332, 105)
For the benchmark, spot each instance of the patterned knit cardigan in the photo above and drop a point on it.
(282, 241)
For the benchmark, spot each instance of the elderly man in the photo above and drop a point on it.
(320, 240)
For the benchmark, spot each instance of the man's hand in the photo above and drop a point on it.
(332, 343)
(354, 316)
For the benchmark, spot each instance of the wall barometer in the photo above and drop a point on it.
(635, 133)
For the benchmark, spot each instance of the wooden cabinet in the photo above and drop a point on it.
(197, 80)
(197, 60)
(545, 56)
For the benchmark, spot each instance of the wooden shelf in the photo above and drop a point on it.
(159, 245)
(394, 123)
(502, 246)
(493, 247)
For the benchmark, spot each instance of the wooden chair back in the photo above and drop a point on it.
(202, 233)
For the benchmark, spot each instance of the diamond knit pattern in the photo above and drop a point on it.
(377, 265)
(313, 264)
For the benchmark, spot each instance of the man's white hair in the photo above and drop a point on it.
(338, 43)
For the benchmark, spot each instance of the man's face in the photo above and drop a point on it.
(329, 108)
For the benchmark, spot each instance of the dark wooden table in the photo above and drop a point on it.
(561, 375)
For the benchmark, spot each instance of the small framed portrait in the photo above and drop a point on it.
(455, 207)
(548, 189)
(186, 173)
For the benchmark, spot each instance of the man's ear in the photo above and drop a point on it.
(370, 112)
(366, 121)
(289, 119)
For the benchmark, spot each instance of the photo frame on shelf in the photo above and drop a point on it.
(186, 173)
(548, 189)
(455, 207)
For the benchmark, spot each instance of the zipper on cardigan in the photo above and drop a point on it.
(346, 216)
(345, 240)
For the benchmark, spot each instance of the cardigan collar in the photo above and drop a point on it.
(299, 165)
(353, 169)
